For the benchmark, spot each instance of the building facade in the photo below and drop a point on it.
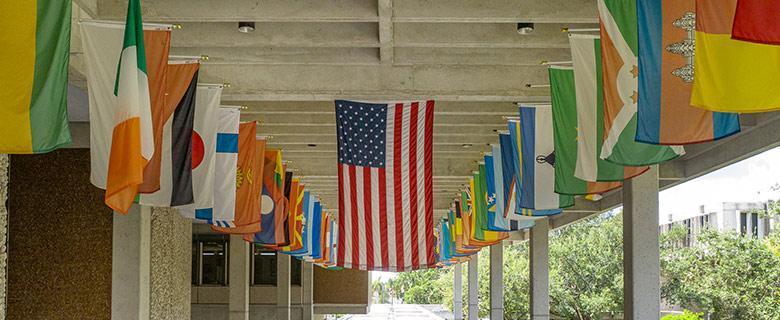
(743, 217)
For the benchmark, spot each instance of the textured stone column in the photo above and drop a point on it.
(457, 291)
(171, 265)
(497, 281)
(473, 281)
(238, 280)
(307, 289)
(4, 164)
(641, 257)
(282, 287)
(540, 270)
(130, 264)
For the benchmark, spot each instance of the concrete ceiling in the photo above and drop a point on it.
(466, 54)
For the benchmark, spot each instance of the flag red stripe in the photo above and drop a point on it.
(413, 182)
(353, 203)
(429, 182)
(342, 222)
(399, 220)
(383, 217)
(367, 198)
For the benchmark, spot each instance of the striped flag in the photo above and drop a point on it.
(34, 82)
(537, 161)
(225, 167)
(495, 179)
(665, 51)
(618, 22)
(385, 185)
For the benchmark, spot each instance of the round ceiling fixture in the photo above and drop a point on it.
(466, 145)
(525, 27)
(311, 145)
(246, 27)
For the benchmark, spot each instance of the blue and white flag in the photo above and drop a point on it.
(537, 160)
(225, 166)
(495, 189)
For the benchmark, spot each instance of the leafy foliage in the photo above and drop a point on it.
(686, 315)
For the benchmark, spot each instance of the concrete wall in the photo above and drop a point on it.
(340, 287)
(59, 264)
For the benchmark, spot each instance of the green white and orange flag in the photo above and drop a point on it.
(132, 142)
(618, 22)
(34, 54)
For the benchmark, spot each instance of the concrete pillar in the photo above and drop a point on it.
(641, 258)
(307, 290)
(473, 281)
(171, 265)
(238, 278)
(457, 291)
(282, 287)
(130, 264)
(4, 165)
(540, 270)
(497, 281)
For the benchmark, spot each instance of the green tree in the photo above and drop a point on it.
(725, 274)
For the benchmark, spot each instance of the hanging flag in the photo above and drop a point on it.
(509, 176)
(286, 224)
(316, 234)
(204, 140)
(586, 61)
(385, 185)
(132, 143)
(495, 180)
(295, 217)
(307, 205)
(618, 24)
(248, 182)
(173, 155)
(756, 21)
(475, 208)
(34, 83)
(665, 53)
(732, 75)
(226, 167)
(566, 134)
(537, 161)
(102, 44)
(273, 203)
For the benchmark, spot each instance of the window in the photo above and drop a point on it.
(209, 260)
(754, 224)
(743, 223)
(264, 269)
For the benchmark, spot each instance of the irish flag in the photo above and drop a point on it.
(132, 142)
(34, 82)
(618, 21)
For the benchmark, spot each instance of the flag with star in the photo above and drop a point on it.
(385, 178)
(618, 24)
(566, 134)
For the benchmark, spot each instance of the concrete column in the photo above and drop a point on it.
(307, 290)
(457, 291)
(282, 287)
(130, 264)
(473, 281)
(641, 258)
(4, 165)
(497, 281)
(540, 270)
(171, 268)
(238, 278)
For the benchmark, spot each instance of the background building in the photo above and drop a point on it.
(743, 217)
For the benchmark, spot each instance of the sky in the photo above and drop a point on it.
(749, 180)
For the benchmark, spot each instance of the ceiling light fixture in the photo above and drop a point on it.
(525, 27)
(466, 145)
(246, 27)
(311, 145)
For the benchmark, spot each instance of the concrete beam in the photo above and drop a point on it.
(497, 281)
(473, 283)
(247, 10)
(641, 257)
(282, 56)
(539, 271)
(238, 280)
(385, 13)
(131, 264)
(275, 34)
(483, 35)
(457, 291)
(508, 11)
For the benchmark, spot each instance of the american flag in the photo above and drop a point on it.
(385, 185)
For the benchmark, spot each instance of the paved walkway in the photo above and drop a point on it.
(401, 312)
